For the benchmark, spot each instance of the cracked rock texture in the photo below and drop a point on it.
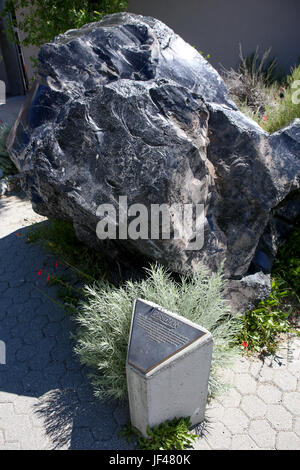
(125, 107)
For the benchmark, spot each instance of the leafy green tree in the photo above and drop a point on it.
(42, 20)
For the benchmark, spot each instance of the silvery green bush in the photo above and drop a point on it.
(105, 316)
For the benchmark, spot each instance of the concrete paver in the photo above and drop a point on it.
(262, 406)
(46, 400)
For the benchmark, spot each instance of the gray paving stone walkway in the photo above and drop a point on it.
(46, 401)
(261, 409)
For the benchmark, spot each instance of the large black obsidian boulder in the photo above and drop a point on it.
(125, 107)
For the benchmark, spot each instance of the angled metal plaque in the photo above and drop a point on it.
(157, 335)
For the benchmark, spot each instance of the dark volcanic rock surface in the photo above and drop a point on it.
(125, 107)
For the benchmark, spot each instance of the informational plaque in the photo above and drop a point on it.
(157, 335)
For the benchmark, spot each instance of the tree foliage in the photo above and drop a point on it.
(42, 20)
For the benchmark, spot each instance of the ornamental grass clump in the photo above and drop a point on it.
(253, 85)
(105, 317)
(285, 110)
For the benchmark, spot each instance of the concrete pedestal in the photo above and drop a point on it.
(166, 379)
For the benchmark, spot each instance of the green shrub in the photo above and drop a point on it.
(168, 435)
(105, 318)
(262, 92)
(83, 263)
(45, 19)
(59, 237)
(287, 262)
(278, 313)
(263, 324)
(283, 111)
(6, 165)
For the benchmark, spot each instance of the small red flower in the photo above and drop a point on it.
(245, 345)
(265, 118)
(56, 264)
(48, 278)
(40, 272)
(18, 234)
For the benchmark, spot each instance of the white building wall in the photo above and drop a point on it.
(27, 53)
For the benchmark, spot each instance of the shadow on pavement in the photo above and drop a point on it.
(40, 362)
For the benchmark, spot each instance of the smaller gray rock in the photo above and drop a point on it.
(244, 293)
